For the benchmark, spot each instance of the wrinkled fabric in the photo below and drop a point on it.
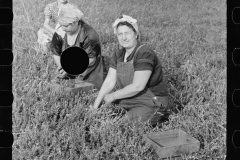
(125, 18)
(146, 59)
(142, 106)
(56, 44)
(88, 40)
(69, 14)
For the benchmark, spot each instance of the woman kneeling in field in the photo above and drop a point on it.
(51, 13)
(138, 74)
(79, 34)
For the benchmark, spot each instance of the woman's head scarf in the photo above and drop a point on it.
(69, 14)
(125, 18)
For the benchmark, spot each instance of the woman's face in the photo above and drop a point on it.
(70, 28)
(127, 38)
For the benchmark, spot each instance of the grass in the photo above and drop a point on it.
(189, 37)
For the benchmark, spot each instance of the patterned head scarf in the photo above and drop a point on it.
(69, 14)
(125, 18)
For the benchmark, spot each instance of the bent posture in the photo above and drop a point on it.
(79, 34)
(136, 73)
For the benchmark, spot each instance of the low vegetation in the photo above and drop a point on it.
(189, 37)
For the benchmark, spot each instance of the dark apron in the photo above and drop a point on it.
(145, 104)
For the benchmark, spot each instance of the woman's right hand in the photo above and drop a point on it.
(93, 108)
(106, 87)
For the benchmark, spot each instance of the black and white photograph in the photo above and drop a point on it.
(119, 79)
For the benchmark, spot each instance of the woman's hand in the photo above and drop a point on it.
(61, 72)
(106, 88)
(47, 26)
(109, 98)
(93, 107)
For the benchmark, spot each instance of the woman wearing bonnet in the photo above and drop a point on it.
(135, 77)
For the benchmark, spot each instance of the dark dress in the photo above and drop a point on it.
(87, 39)
(150, 103)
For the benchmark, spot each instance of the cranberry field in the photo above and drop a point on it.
(189, 37)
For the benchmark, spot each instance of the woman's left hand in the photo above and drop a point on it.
(109, 98)
(61, 72)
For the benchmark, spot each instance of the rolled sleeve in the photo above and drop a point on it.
(144, 61)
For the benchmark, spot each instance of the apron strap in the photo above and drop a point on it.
(136, 52)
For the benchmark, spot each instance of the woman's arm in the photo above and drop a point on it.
(139, 82)
(107, 86)
(47, 26)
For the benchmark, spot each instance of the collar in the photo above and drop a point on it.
(130, 57)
